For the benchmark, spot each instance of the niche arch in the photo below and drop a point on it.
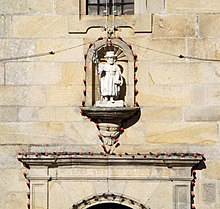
(125, 60)
(108, 200)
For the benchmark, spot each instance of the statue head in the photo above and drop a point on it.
(111, 57)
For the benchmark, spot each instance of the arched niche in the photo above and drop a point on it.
(125, 60)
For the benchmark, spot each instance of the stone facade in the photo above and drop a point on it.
(40, 96)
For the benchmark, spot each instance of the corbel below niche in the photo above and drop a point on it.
(110, 99)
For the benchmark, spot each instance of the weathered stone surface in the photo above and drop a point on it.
(11, 6)
(174, 26)
(135, 134)
(67, 7)
(69, 50)
(162, 114)
(22, 95)
(177, 73)
(31, 132)
(2, 26)
(158, 49)
(197, 95)
(59, 114)
(41, 26)
(72, 73)
(155, 6)
(2, 73)
(182, 133)
(40, 6)
(27, 114)
(83, 23)
(64, 95)
(203, 48)
(81, 133)
(213, 171)
(209, 192)
(8, 113)
(203, 113)
(12, 180)
(193, 6)
(15, 199)
(163, 96)
(32, 73)
(213, 95)
(73, 196)
(210, 29)
(10, 48)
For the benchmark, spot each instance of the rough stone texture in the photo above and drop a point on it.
(213, 95)
(74, 135)
(72, 73)
(27, 114)
(41, 26)
(31, 132)
(162, 114)
(22, 95)
(59, 114)
(64, 95)
(8, 113)
(209, 192)
(2, 73)
(210, 29)
(11, 6)
(213, 171)
(203, 48)
(204, 113)
(10, 48)
(155, 6)
(174, 26)
(197, 95)
(41, 6)
(158, 49)
(67, 7)
(163, 96)
(192, 6)
(178, 73)
(26, 73)
(182, 133)
(68, 50)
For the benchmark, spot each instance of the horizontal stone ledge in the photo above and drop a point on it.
(134, 178)
(177, 160)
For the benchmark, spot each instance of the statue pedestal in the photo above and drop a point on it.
(109, 122)
(117, 103)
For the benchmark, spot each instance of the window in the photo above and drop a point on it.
(117, 7)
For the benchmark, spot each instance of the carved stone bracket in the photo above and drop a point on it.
(110, 123)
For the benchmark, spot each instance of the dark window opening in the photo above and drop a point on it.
(109, 206)
(109, 7)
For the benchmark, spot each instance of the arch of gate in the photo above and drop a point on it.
(107, 201)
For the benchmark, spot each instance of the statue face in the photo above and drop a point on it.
(110, 60)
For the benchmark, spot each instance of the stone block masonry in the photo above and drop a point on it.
(179, 98)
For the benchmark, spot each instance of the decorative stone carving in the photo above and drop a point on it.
(110, 82)
(85, 179)
(110, 89)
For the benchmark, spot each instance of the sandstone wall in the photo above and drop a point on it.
(40, 96)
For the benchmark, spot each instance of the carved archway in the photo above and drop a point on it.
(107, 200)
(125, 60)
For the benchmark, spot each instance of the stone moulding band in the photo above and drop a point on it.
(52, 160)
(106, 198)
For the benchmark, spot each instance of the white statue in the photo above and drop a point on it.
(110, 78)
